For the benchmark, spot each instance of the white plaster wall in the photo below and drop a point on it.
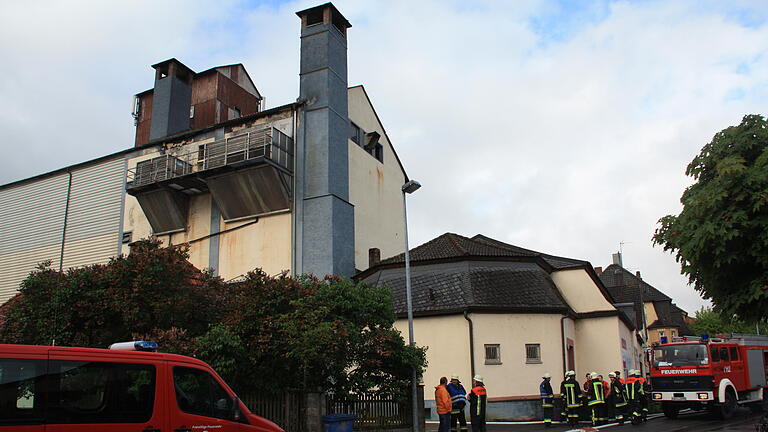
(447, 342)
(580, 291)
(598, 346)
(515, 377)
(374, 188)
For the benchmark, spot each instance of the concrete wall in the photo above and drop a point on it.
(580, 291)
(374, 188)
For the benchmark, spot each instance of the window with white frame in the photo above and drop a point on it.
(492, 354)
(533, 353)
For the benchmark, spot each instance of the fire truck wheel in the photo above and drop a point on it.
(726, 409)
(670, 411)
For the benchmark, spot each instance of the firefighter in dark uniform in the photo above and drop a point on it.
(634, 390)
(617, 397)
(596, 399)
(547, 399)
(458, 401)
(478, 399)
(644, 397)
(570, 392)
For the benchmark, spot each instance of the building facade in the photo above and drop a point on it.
(652, 311)
(509, 314)
(306, 187)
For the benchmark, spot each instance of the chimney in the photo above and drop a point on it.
(617, 259)
(171, 99)
(637, 273)
(325, 227)
(599, 270)
(374, 257)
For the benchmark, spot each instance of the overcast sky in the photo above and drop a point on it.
(555, 127)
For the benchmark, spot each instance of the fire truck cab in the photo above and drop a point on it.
(718, 373)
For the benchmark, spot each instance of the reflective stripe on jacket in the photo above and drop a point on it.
(596, 393)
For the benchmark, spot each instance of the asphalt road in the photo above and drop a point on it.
(742, 421)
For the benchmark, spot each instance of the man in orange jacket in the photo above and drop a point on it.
(443, 405)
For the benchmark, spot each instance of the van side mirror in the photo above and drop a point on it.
(236, 408)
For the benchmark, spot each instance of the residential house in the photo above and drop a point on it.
(510, 314)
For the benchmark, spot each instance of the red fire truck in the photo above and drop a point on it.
(717, 373)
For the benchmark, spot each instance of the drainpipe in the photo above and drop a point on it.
(471, 342)
(562, 344)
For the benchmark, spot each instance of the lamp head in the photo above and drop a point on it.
(411, 186)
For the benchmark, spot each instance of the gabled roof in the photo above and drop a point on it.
(625, 286)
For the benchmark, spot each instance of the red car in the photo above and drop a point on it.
(125, 388)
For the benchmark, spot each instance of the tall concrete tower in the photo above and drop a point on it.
(324, 230)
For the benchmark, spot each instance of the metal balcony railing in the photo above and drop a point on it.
(268, 143)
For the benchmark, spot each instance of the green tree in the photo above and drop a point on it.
(720, 238)
(709, 321)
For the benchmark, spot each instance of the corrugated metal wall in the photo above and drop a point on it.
(32, 221)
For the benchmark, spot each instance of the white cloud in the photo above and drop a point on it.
(568, 145)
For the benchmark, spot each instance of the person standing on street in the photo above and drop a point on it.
(443, 405)
(596, 399)
(634, 389)
(478, 399)
(570, 392)
(617, 398)
(547, 399)
(458, 402)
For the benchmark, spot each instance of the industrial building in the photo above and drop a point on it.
(309, 187)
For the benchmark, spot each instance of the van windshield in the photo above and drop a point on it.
(681, 355)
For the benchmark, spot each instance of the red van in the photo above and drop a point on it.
(57, 389)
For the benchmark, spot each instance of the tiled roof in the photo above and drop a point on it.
(624, 286)
(450, 245)
(459, 288)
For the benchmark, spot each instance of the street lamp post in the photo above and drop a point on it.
(408, 188)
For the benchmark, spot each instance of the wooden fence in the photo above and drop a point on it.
(374, 411)
(286, 409)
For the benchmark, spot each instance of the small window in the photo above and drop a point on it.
(734, 353)
(355, 133)
(724, 354)
(715, 355)
(127, 237)
(661, 333)
(533, 353)
(237, 113)
(378, 153)
(492, 354)
(197, 392)
(192, 111)
(674, 333)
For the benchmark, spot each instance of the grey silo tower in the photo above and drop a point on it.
(324, 219)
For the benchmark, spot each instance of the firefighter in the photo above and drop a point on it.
(634, 390)
(618, 377)
(547, 399)
(617, 397)
(569, 391)
(478, 399)
(646, 384)
(458, 402)
(596, 399)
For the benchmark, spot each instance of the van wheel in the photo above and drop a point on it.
(670, 411)
(725, 410)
